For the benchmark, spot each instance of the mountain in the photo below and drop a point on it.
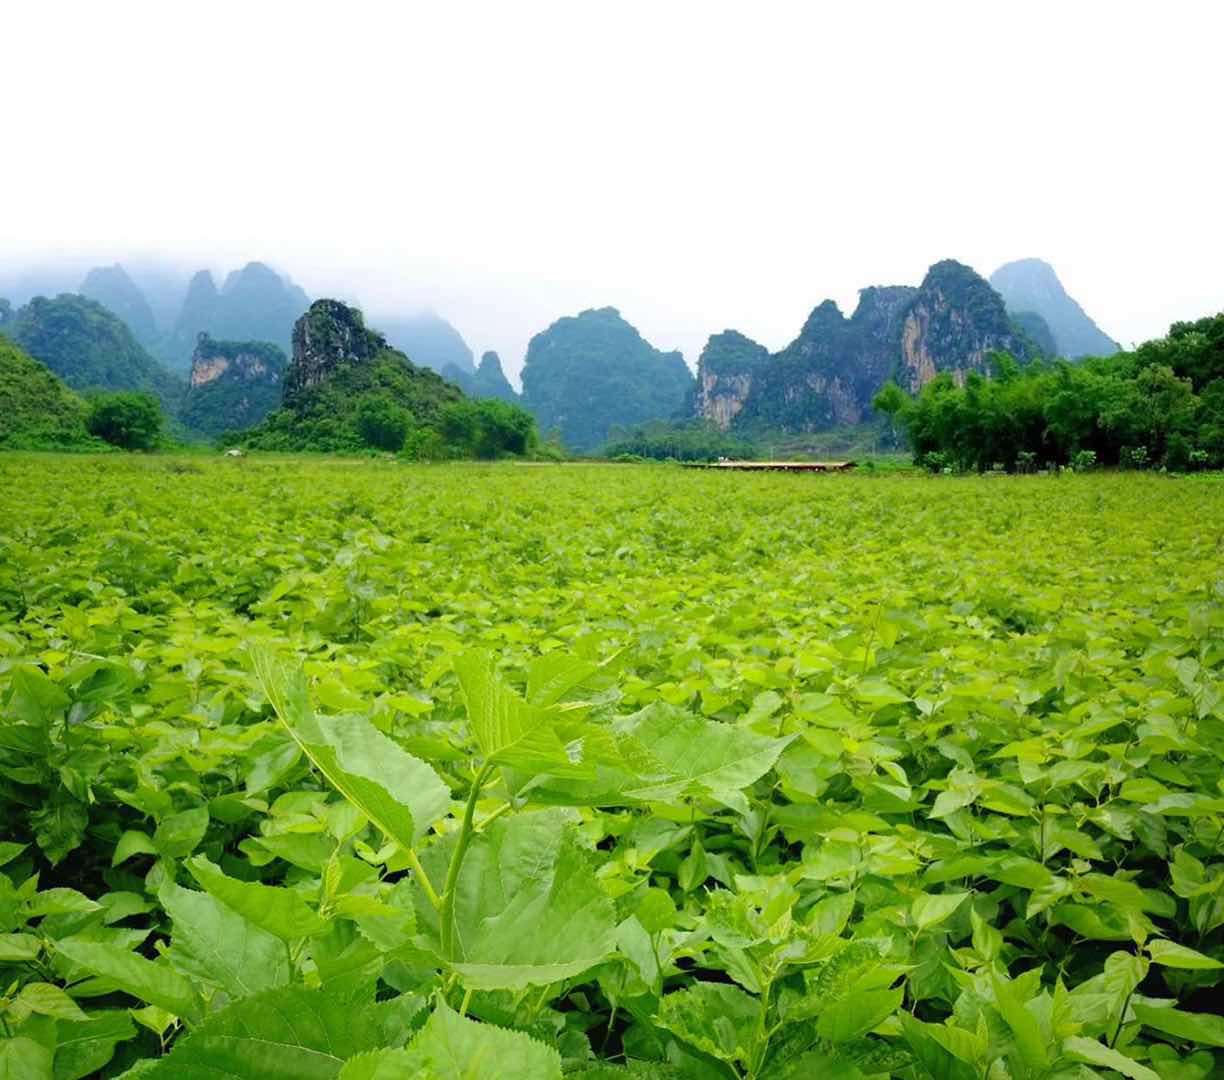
(489, 381)
(254, 304)
(828, 375)
(1038, 331)
(111, 287)
(1032, 285)
(37, 411)
(590, 371)
(339, 367)
(90, 348)
(428, 340)
(233, 384)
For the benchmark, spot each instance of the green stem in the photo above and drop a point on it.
(415, 864)
(447, 911)
(762, 1038)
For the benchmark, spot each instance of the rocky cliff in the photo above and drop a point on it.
(233, 384)
(1031, 285)
(590, 371)
(489, 381)
(828, 375)
(339, 368)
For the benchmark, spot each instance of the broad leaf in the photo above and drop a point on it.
(673, 753)
(857, 1013)
(278, 910)
(286, 1034)
(450, 1047)
(717, 1018)
(1205, 1028)
(152, 981)
(528, 908)
(215, 943)
(509, 730)
(399, 793)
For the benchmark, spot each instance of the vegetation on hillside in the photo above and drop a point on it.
(347, 390)
(590, 371)
(90, 348)
(37, 411)
(1160, 405)
(607, 774)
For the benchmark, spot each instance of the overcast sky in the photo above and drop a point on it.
(697, 165)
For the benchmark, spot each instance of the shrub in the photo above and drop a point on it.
(130, 419)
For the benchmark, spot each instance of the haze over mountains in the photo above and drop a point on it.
(217, 358)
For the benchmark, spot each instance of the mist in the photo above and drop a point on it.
(698, 168)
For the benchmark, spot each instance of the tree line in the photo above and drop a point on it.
(1159, 405)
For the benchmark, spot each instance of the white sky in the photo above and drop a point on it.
(698, 165)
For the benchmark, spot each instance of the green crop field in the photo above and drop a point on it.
(318, 768)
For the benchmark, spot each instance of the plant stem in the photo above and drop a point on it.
(418, 870)
(447, 910)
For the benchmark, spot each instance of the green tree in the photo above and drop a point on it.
(381, 423)
(890, 399)
(130, 419)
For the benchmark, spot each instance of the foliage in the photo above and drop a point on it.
(336, 769)
(346, 390)
(695, 440)
(591, 371)
(1161, 404)
(37, 411)
(129, 419)
(381, 423)
(90, 348)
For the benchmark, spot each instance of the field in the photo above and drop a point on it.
(313, 768)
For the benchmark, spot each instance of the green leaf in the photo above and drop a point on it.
(399, 793)
(552, 676)
(938, 1062)
(48, 1000)
(1170, 954)
(287, 1034)
(1205, 1028)
(717, 1018)
(215, 943)
(450, 1047)
(1095, 1053)
(528, 908)
(82, 1049)
(154, 982)
(24, 1059)
(674, 753)
(1024, 1025)
(35, 699)
(931, 909)
(857, 1013)
(509, 730)
(180, 834)
(278, 910)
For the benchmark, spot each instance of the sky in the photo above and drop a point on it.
(699, 166)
